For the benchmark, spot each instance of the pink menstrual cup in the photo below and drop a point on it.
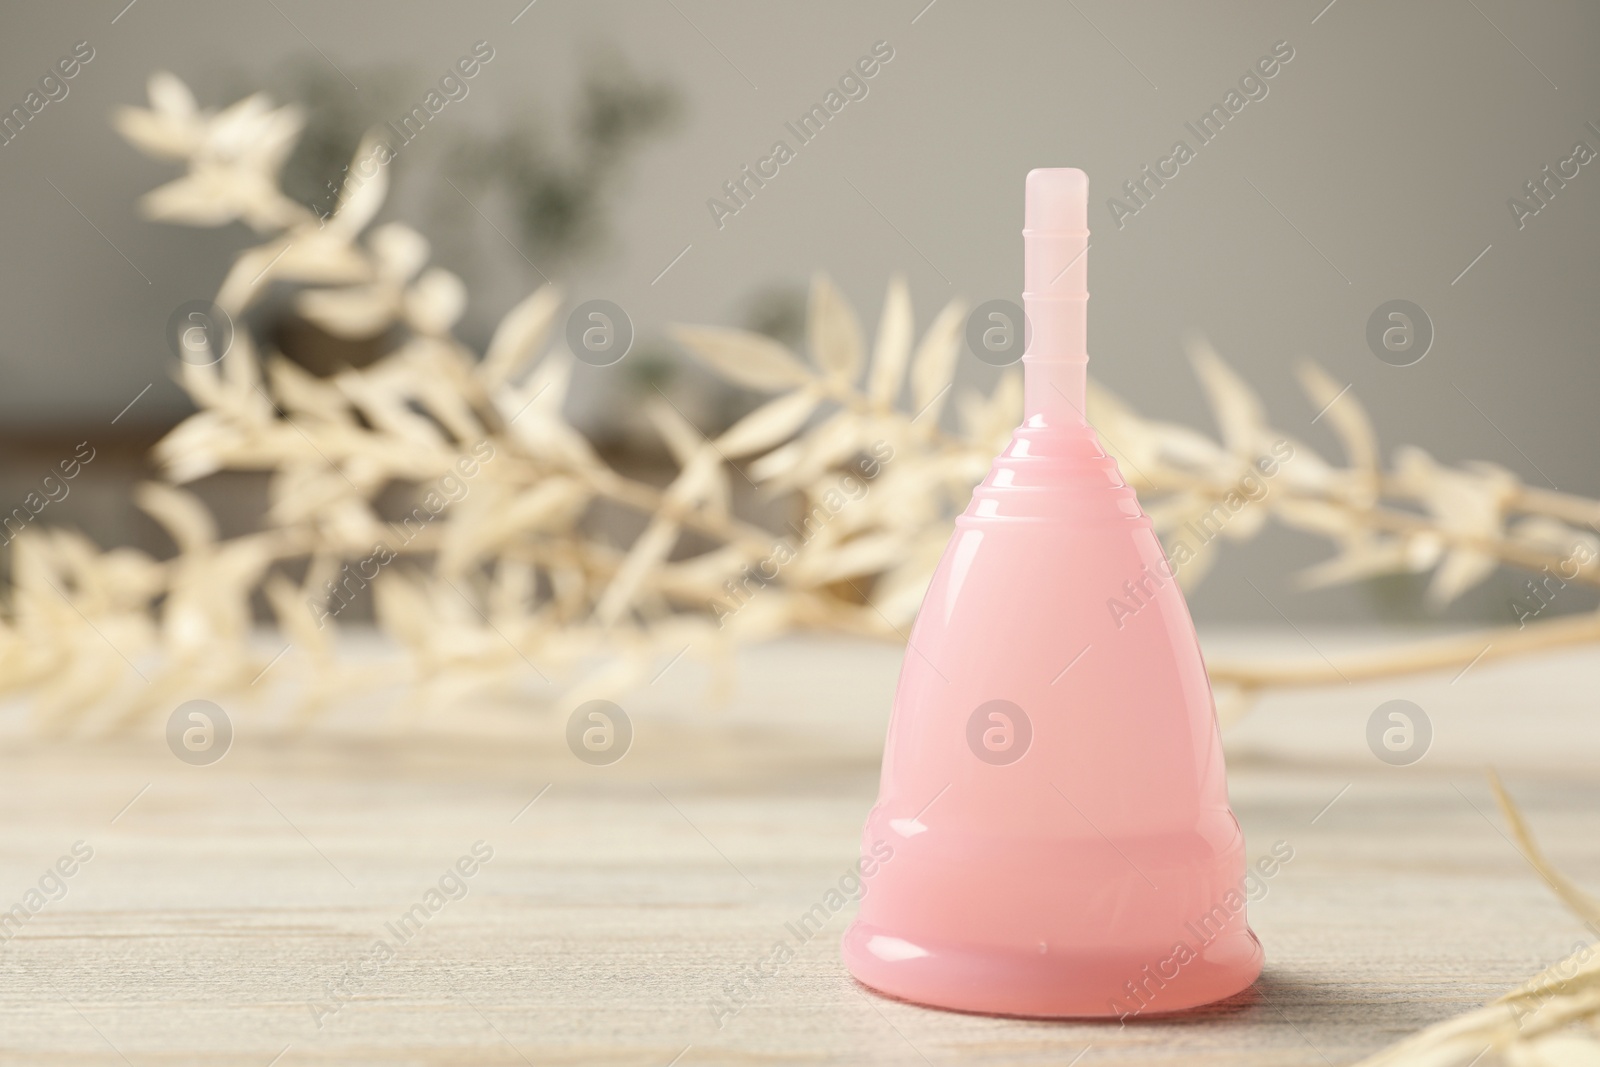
(1052, 835)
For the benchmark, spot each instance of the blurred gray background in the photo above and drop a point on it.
(1377, 167)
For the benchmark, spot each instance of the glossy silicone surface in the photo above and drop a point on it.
(1053, 803)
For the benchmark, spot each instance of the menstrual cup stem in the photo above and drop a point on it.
(1053, 389)
(1055, 294)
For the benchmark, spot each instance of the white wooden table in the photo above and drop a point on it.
(223, 904)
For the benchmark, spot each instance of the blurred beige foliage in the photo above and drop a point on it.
(498, 575)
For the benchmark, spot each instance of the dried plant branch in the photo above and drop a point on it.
(1434, 654)
(1552, 1019)
(501, 573)
(1582, 904)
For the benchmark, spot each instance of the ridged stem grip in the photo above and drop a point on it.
(1055, 294)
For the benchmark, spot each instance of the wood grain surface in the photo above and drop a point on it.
(232, 913)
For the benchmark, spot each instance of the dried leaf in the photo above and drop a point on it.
(652, 547)
(990, 420)
(835, 332)
(172, 128)
(935, 363)
(356, 312)
(748, 359)
(298, 619)
(1348, 418)
(1557, 1050)
(385, 404)
(360, 197)
(304, 395)
(893, 346)
(398, 251)
(435, 302)
(864, 555)
(647, 552)
(521, 332)
(1459, 572)
(682, 439)
(838, 437)
(775, 421)
(180, 513)
(1239, 413)
(1364, 558)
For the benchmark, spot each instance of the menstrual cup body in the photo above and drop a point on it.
(1053, 799)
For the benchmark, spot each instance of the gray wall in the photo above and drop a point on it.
(1377, 167)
